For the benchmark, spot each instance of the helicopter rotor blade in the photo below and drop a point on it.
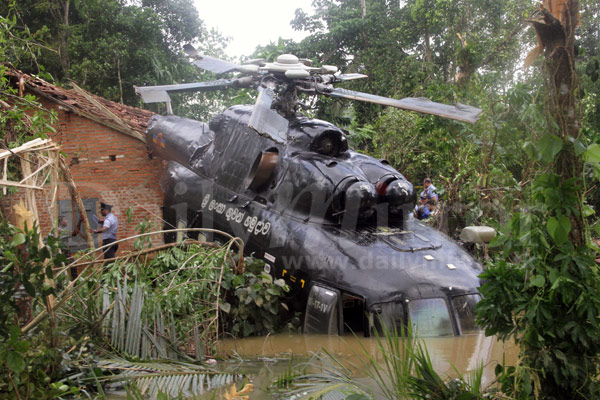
(265, 120)
(349, 77)
(209, 63)
(156, 94)
(459, 112)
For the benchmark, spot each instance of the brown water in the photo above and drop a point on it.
(267, 358)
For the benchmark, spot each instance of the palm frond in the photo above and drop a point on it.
(333, 380)
(174, 379)
(138, 318)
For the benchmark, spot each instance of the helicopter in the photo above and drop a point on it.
(335, 224)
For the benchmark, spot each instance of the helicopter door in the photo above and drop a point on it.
(323, 311)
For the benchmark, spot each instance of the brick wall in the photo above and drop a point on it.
(107, 165)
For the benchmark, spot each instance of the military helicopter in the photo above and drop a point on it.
(335, 224)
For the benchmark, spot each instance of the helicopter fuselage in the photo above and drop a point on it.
(335, 224)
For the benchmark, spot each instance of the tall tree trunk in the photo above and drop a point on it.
(120, 81)
(556, 33)
(428, 56)
(60, 13)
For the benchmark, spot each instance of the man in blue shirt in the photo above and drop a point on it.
(427, 200)
(428, 195)
(422, 211)
(109, 230)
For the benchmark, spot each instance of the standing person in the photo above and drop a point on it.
(427, 200)
(428, 195)
(108, 230)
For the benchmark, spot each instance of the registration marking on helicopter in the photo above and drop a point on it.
(234, 214)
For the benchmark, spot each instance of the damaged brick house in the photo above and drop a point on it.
(104, 145)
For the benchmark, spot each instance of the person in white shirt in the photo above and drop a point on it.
(109, 229)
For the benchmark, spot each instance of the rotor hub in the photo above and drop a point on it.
(288, 59)
(286, 63)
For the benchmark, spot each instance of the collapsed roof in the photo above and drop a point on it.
(131, 121)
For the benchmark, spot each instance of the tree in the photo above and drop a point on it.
(109, 46)
(543, 290)
(21, 116)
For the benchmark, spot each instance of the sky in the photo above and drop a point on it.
(251, 22)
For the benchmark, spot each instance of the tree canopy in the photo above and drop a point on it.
(109, 46)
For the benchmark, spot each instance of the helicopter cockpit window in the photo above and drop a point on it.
(464, 307)
(391, 315)
(262, 171)
(430, 317)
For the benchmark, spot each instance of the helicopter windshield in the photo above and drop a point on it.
(392, 316)
(464, 309)
(430, 317)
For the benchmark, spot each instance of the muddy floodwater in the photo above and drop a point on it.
(266, 358)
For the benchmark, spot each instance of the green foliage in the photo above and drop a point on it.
(29, 364)
(254, 305)
(32, 368)
(427, 384)
(542, 287)
(107, 47)
(26, 266)
(414, 48)
(18, 44)
(161, 307)
(144, 226)
(285, 379)
(164, 306)
(168, 305)
(22, 118)
(113, 46)
(449, 52)
(542, 292)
